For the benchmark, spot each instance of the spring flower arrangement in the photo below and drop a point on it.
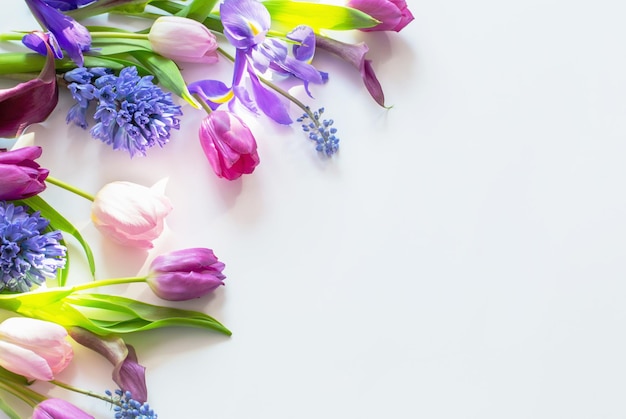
(130, 94)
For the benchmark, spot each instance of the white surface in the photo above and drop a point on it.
(461, 257)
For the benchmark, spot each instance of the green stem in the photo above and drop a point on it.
(82, 391)
(11, 36)
(126, 35)
(70, 188)
(107, 282)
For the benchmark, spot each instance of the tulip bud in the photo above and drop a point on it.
(183, 40)
(59, 409)
(228, 144)
(185, 274)
(393, 14)
(131, 214)
(35, 349)
(21, 175)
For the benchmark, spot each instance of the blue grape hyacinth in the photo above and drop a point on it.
(125, 407)
(28, 253)
(132, 113)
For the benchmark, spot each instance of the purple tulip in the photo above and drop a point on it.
(73, 37)
(228, 144)
(29, 102)
(21, 175)
(58, 409)
(392, 14)
(355, 55)
(185, 274)
(128, 374)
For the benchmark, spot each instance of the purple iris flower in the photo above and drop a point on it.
(246, 23)
(71, 36)
(68, 4)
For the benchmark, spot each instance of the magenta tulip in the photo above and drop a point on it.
(228, 144)
(35, 349)
(392, 14)
(183, 40)
(58, 409)
(29, 102)
(185, 274)
(20, 175)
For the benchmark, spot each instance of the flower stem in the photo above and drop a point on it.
(82, 391)
(70, 188)
(11, 36)
(107, 282)
(125, 35)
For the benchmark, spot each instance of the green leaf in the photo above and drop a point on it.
(113, 46)
(105, 6)
(146, 316)
(57, 221)
(167, 73)
(212, 21)
(11, 414)
(287, 14)
(197, 9)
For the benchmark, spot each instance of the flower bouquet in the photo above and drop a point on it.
(130, 91)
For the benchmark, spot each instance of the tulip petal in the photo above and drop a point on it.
(24, 362)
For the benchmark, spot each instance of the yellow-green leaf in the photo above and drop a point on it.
(287, 14)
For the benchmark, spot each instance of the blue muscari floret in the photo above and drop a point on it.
(28, 254)
(132, 113)
(322, 132)
(125, 407)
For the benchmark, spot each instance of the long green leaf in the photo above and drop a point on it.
(113, 46)
(147, 316)
(287, 14)
(197, 9)
(57, 221)
(8, 410)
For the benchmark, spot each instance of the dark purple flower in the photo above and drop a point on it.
(128, 374)
(21, 175)
(72, 37)
(392, 14)
(185, 274)
(355, 55)
(29, 102)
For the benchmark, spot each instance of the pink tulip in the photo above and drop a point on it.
(35, 349)
(185, 274)
(228, 144)
(183, 40)
(58, 409)
(130, 214)
(32, 101)
(21, 175)
(392, 14)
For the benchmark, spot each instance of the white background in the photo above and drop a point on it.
(460, 257)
